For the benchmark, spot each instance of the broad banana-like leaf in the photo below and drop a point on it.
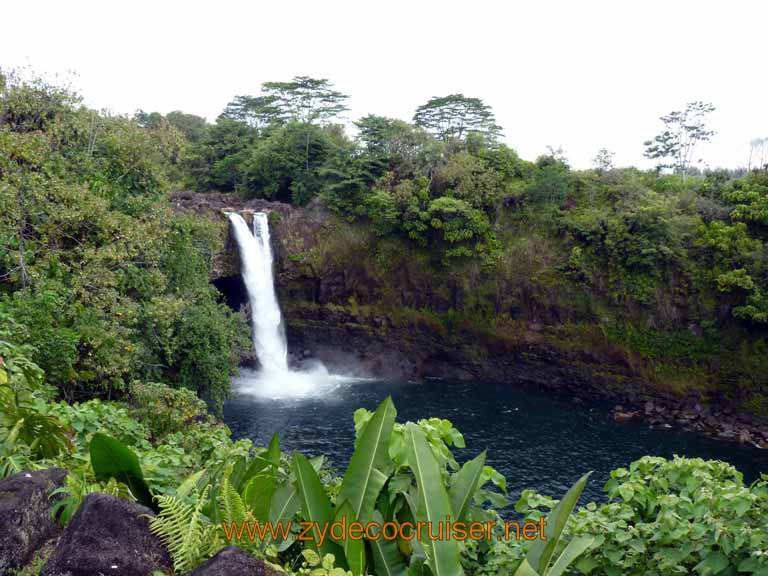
(525, 570)
(434, 506)
(354, 550)
(575, 548)
(258, 494)
(110, 458)
(190, 483)
(463, 486)
(286, 502)
(387, 559)
(269, 458)
(316, 507)
(365, 476)
(540, 553)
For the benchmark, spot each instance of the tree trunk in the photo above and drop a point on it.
(22, 225)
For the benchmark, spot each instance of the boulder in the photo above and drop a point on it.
(233, 561)
(619, 416)
(745, 437)
(108, 535)
(25, 515)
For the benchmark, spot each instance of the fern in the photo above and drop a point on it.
(234, 511)
(77, 487)
(186, 531)
(230, 503)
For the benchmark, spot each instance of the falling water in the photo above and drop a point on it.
(275, 379)
(256, 264)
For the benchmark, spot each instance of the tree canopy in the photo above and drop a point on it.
(457, 116)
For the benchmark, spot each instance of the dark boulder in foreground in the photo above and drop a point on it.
(25, 515)
(106, 536)
(233, 561)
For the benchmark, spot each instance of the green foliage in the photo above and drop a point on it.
(164, 410)
(442, 555)
(111, 458)
(27, 432)
(192, 127)
(92, 260)
(314, 565)
(216, 161)
(683, 130)
(80, 483)
(551, 181)
(305, 99)
(185, 530)
(85, 419)
(665, 517)
(285, 165)
(540, 556)
(399, 473)
(457, 116)
(749, 196)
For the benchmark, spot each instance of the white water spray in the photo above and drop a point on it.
(275, 380)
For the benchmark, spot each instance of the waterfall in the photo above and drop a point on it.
(256, 267)
(275, 380)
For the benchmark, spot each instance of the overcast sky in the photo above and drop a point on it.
(581, 74)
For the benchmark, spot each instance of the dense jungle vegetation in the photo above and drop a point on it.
(114, 346)
(666, 269)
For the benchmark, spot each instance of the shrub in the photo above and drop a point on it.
(165, 410)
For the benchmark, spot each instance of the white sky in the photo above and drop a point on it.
(581, 74)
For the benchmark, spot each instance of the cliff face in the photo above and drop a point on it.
(360, 303)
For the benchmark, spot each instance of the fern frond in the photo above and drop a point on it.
(231, 504)
(185, 530)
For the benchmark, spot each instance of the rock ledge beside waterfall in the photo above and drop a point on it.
(324, 321)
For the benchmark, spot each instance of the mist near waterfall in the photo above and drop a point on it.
(274, 380)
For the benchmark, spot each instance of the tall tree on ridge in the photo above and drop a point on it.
(306, 99)
(455, 116)
(683, 131)
(257, 111)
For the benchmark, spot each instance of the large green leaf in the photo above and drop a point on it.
(286, 502)
(316, 506)
(110, 458)
(269, 458)
(525, 570)
(575, 548)
(354, 550)
(258, 494)
(463, 486)
(434, 506)
(540, 553)
(386, 555)
(365, 476)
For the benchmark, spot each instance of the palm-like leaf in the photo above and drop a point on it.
(433, 506)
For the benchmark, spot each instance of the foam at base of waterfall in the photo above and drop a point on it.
(275, 380)
(286, 384)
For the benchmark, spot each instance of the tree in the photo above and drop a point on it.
(405, 150)
(303, 99)
(455, 116)
(215, 163)
(257, 111)
(758, 151)
(285, 166)
(603, 160)
(684, 130)
(551, 180)
(193, 127)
